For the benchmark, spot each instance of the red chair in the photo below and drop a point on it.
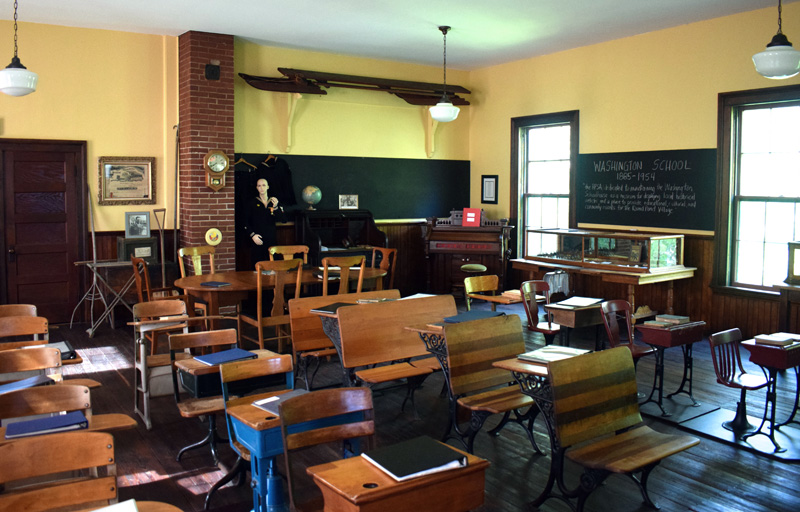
(531, 291)
(730, 372)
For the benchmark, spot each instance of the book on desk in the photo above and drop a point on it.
(577, 302)
(415, 457)
(331, 308)
(475, 314)
(272, 404)
(779, 339)
(215, 284)
(74, 420)
(551, 353)
(30, 382)
(225, 356)
(672, 319)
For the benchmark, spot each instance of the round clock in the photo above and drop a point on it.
(216, 163)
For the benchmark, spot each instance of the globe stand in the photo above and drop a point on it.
(312, 196)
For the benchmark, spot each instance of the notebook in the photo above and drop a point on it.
(215, 284)
(414, 458)
(330, 308)
(551, 353)
(67, 352)
(475, 314)
(226, 356)
(74, 420)
(271, 404)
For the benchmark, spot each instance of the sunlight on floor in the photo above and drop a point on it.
(99, 359)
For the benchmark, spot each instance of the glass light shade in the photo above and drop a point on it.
(17, 81)
(444, 112)
(779, 60)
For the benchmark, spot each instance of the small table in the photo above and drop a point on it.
(355, 484)
(684, 336)
(773, 359)
(575, 317)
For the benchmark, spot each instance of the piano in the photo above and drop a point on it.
(449, 245)
(338, 233)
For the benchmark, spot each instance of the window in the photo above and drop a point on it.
(761, 209)
(545, 152)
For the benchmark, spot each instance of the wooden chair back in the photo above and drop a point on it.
(196, 255)
(154, 310)
(472, 347)
(344, 263)
(530, 291)
(616, 312)
(146, 293)
(27, 327)
(45, 400)
(480, 284)
(7, 310)
(725, 355)
(42, 360)
(387, 263)
(376, 333)
(593, 395)
(288, 252)
(326, 404)
(90, 455)
(194, 341)
(281, 270)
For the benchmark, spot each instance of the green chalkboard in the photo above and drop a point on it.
(660, 189)
(391, 188)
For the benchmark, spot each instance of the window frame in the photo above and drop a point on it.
(518, 124)
(729, 107)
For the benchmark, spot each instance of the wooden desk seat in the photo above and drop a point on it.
(595, 410)
(310, 344)
(375, 336)
(479, 388)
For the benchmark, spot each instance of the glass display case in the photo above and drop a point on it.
(626, 252)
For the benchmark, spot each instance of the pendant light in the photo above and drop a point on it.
(444, 111)
(15, 79)
(780, 59)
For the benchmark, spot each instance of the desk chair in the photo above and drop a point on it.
(23, 330)
(596, 423)
(7, 310)
(28, 362)
(152, 371)
(614, 313)
(288, 252)
(730, 372)
(388, 261)
(88, 455)
(324, 406)
(196, 407)
(196, 255)
(531, 292)
(344, 263)
(239, 372)
(278, 318)
(476, 286)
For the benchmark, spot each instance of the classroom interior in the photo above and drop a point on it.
(106, 92)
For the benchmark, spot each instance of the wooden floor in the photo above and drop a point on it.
(713, 476)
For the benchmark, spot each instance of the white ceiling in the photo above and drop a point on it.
(485, 32)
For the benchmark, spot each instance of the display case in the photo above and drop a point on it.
(625, 252)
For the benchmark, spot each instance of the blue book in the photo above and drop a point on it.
(62, 423)
(226, 356)
(215, 284)
(475, 314)
(37, 380)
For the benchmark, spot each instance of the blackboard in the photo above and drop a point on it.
(659, 189)
(391, 188)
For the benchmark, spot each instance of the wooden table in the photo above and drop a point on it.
(355, 484)
(684, 336)
(774, 359)
(575, 317)
(242, 282)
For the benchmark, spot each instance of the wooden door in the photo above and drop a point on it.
(43, 221)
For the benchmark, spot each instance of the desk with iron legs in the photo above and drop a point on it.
(575, 317)
(773, 359)
(684, 336)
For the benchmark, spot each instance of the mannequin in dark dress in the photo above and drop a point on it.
(264, 212)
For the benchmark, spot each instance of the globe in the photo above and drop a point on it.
(312, 195)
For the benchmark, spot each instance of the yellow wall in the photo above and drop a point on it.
(115, 90)
(655, 91)
(344, 122)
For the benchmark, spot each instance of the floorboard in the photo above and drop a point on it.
(712, 477)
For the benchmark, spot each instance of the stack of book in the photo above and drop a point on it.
(779, 339)
(667, 321)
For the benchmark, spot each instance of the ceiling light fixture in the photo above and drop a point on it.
(15, 79)
(444, 111)
(780, 59)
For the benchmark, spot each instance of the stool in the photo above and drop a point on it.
(471, 269)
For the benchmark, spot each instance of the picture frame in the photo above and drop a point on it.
(126, 180)
(348, 201)
(489, 189)
(137, 224)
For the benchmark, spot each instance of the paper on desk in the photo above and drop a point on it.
(579, 302)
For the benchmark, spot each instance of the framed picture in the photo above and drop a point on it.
(348, 201)
(137, 224)
(126, 180)
(489, 189)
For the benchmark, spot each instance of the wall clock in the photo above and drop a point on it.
(216, 163)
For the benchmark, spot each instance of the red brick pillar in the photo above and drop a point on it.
(205, 111)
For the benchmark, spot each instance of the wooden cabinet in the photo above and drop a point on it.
(448, 246)
(337, 233)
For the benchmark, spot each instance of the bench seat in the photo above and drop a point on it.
(388, 373)
(497, 401)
